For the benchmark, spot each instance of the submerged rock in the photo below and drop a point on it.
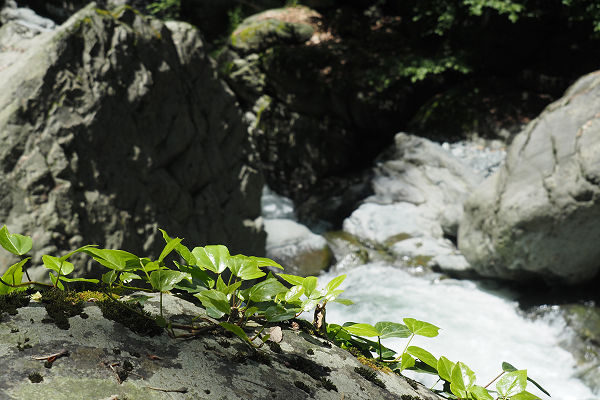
(537, 217)
(115, 124)
(99, 359)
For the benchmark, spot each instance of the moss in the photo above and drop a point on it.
(132, 316)
(327, 384)
(89, 295)
(302, 385)
(397, 238)
(11, 301)
(35, 377)
(370, 375)
(309, 367)
(61, 305)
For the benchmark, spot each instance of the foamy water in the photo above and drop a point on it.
(479, 327)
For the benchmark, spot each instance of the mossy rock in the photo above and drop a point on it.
(261, 31)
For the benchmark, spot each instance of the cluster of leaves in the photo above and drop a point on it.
(225, 286)
(167, 9)
(457, 378)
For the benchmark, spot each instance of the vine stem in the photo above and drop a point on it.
(26, 284)
(494, 380)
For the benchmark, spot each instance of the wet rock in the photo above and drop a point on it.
(295, 247)
(115, 124)
(536, 217)
(107, 360)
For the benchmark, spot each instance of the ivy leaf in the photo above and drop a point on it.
(406, 361)
(198, 275)
(266, 290)
(462, 379)
(278, 313)
(524, 395)
(165, 279)
(334, 283)
(169, 247)
(293, 294)
(109, 277)
(118, 260)
(421, 328)
(214, 258)
(392, 329)
(444, 367)
(423, 355)
(512, 383)
(506, 367)
(292, 279)
(13, 276)
(15, 243)
(480, 393)
(245, 268)
(309, 285)
(55, 281)
(236, 330)
(345, 302)
(55, 264)
(182, 250)
(64, 278)
(266, 262)
(127, 277)
(215, 302)
(365, 330)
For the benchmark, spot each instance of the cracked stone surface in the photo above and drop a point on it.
(213, 366)
(537, 216)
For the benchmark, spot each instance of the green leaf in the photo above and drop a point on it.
(236, 330)
(334, 283)
(266, 290)
(392, 329)
(245, 268)
(365, 330)
(292, 279)
(14, 276)
(512, 383)
(15, 243)
(462, 379)
(79, 250)
(266, 262)
(524, 395)
(214, 258)
(169, 247)
(64, 278)
(118, 260)
(444, 367)
(55, 281)
(293, 294)
(309, 304)
(278, 313)
(54, 263)
(345, 302)
(423, 355)
(183, 251)
(165, 279)
(221, 285)
(421, 328)
(109, 277)
(215, 302)
(127, 277)
(480, 393)
(406, 361)
(331, 296)
(197, 274)
(309, 285)
(250, 311)
(509, 368)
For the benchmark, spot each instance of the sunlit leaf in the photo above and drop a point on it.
(198, 275)
(309, 304)
(345, 302)
(294, 293)
(266, 290)
(365, 330)
(406, 361)
(169, 247)
(309, 285)
(165, 279)
(79, 250)
(245, 268)
(109, 277)
(462, 379)
(480, 393)
(215, 302)
(15, 243)
(13, 276)
(266, 262)
(182, 250)
(292, 279)
(421, 328)
(512, 383)
(524, 395)
(334, 283)
(510, 368)
(55, 264)
(90, 280)
(444, 367)
(119, 260)
(236, 330)
(392, 329)
(278, 313)
(127, 277)
(213, 257)
(423, 355)
(55, 281)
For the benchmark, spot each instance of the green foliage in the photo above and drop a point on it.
(167, 9)
(217, 278)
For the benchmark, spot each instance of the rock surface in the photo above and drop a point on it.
(536, 217)
(115, 124)
(211, 366)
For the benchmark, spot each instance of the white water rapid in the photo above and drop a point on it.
(480, 327)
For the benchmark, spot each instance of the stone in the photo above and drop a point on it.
(107, 360)
(294, 246)
(536, 217)
(113, 125)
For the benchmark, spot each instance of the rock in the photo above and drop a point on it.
(107, 360)
(294, 246)
(115, 124)
(439, 254)
(536, 217)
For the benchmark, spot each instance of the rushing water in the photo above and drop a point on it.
(481, 327)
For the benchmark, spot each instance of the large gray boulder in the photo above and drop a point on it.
(115, 124)
(106, 360)
(537, 217)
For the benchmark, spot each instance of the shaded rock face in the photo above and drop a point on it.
(107, 359)
(537, 217)
(116, 124)
(311, 107)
